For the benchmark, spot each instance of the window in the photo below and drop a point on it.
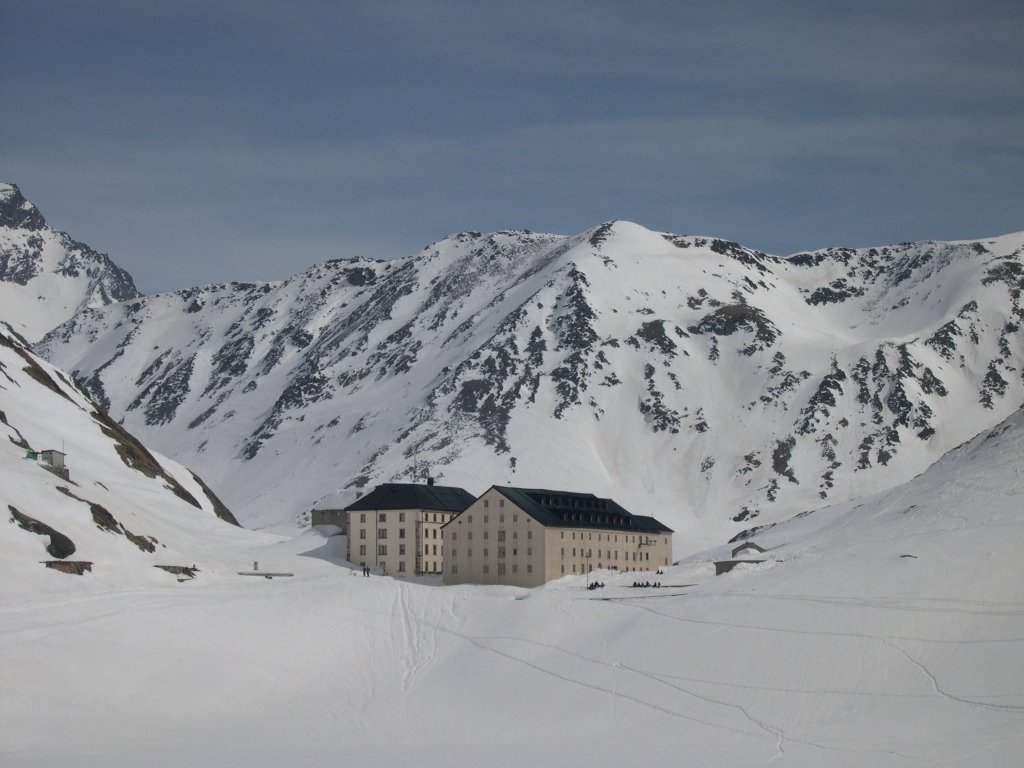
(501, 502)
(454, 554)
(454, 536)
(501, 534)
(515, 518)
(382, 549)
(529, 551)
(563, 551)
(401, 566)
(401, 533)
(362, 533)
(485, 519)
(486, 552)
(501, 569)
(487, 503)
(486, 535)
(529, 534)
(501, 552)
(515, 552)
(362, 517)
(382, 533)
(434, 534)
(382, 517)
(434, 552)
(455, 569)
(515, 534)
(471, 518)
(563, 567)
(469, 535)
(401, 517)
(574, 551)
(515, 568)
(401, 549)
(362, 550)
(529, 568)
(469, 552)
(487, 568)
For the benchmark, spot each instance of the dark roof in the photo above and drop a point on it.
(564, 509)
(442, 498)
(747, 545)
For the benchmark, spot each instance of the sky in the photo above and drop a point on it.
(199, 142)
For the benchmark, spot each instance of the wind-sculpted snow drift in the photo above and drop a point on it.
(686, 377)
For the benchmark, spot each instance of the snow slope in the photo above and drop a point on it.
(690, 378)
(879, 633)
(121, 508)
(45, 276)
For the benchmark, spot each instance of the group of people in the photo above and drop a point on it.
(595, 585)
(647, 584)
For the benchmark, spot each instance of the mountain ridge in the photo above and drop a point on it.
(823, 368)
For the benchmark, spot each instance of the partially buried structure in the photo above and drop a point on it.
(526, 537)
(396, 528)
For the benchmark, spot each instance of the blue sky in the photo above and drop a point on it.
(243, 140)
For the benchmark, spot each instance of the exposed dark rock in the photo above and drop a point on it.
(76, 567)
(781, 457)
(17, 212)
(60, 546)
(733, 318)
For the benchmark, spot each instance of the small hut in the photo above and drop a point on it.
(744, 553)
(53, 461)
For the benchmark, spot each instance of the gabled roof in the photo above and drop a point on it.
(440, 498)
(565, 509)
(748, 545)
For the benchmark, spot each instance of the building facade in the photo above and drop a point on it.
(526, 537)
(396, 528)
(338, 517)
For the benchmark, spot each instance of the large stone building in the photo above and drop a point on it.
(526, 537)
(396, 528)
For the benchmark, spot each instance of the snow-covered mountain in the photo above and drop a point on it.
(118, 506)
(686, 377)
(45, 276)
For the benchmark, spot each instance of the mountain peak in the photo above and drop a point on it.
(16, 211)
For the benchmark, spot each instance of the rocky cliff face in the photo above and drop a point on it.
(686, 377)
(45, 276)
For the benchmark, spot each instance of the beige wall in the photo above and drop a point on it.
(401, 542)
(494, 542)
(533, 554)
(581, 550)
